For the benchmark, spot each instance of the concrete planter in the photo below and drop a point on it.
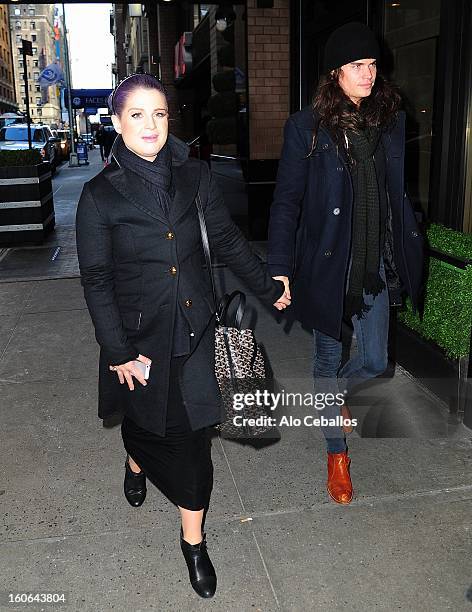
(26, 204)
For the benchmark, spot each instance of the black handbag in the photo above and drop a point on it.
(240, 366)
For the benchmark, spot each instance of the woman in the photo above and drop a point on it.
(140, 256)
(342, 231)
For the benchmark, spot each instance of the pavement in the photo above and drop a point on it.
(276, 540)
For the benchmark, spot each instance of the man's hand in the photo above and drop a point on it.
(285, 299)
(126, 371)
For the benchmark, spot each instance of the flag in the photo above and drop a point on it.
(50, 75)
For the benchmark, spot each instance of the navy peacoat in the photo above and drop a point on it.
(136, 265)
(310, 225)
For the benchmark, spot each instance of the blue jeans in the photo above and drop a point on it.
(369, 361)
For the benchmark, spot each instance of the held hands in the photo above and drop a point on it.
(126, 371)
(285, 299)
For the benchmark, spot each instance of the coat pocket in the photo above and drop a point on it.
(131, 320)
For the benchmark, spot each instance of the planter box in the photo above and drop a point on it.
(438, 348)
(26, 204)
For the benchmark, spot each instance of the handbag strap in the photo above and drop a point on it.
(206, 247)
(224, 305)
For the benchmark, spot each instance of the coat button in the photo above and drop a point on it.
(192, 334)
(414, 234)
(336, 211)
(327, 253)
(170, 236)
(188, 303)
(339, 168)
(325, 146)
(173, 270)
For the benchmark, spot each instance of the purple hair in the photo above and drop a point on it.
(117, 98)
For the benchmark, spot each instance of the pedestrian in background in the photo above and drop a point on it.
(109, 135)
(343, 235)
(140, 256)
(100, 138)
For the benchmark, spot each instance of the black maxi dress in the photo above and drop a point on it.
(179, 463)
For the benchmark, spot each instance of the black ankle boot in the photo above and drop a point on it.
(200, 568)
(134, 486)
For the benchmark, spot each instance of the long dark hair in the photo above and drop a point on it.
(336, 112)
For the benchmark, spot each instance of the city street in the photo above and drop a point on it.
(276, 539)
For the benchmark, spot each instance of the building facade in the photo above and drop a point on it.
(274, 49)
(7, 81)
(35, 22)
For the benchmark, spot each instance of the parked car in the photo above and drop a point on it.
(10, 118)
(15, 137)
(65, 146)
(57, 144)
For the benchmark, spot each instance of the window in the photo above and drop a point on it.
(38, 101)
(32, 11)
(20, 63)
(33, 37)
(35, 50)
(17, 11)
(18, 38)
(36, 75)
(411, 33)
(35, 63)
(18, 25)
(33, 25)
(39, 112)
(38, 88)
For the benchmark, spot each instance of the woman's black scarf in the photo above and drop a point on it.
(364, 274)
(156, 175)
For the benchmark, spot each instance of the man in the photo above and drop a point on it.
(343, 235)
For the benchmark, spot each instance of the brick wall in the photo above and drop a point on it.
(268, 76)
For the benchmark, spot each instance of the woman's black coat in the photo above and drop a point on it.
(136, 264)
(310, 226)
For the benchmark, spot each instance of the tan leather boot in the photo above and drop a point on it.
(339, 483)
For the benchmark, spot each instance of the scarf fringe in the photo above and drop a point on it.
(355, 305)
(373, 284)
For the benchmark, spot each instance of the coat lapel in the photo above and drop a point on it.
(134, 191)
(186, 177)
(187, 181)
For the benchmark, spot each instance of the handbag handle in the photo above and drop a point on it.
(206, 249)
(221, 308)
(224, 305)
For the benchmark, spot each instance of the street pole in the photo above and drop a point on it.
(26, 49)
(73, 160)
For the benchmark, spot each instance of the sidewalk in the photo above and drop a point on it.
(277, 541)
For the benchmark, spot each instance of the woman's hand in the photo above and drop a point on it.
(285, 299)
(126, 371)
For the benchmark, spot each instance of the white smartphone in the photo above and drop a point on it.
(143, 368)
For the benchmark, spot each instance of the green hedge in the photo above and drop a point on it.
(448, 298)
(23, 157)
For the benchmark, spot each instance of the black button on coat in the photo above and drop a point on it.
(125, 255)
(310, 244)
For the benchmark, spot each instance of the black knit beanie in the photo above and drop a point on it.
(352, 41)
